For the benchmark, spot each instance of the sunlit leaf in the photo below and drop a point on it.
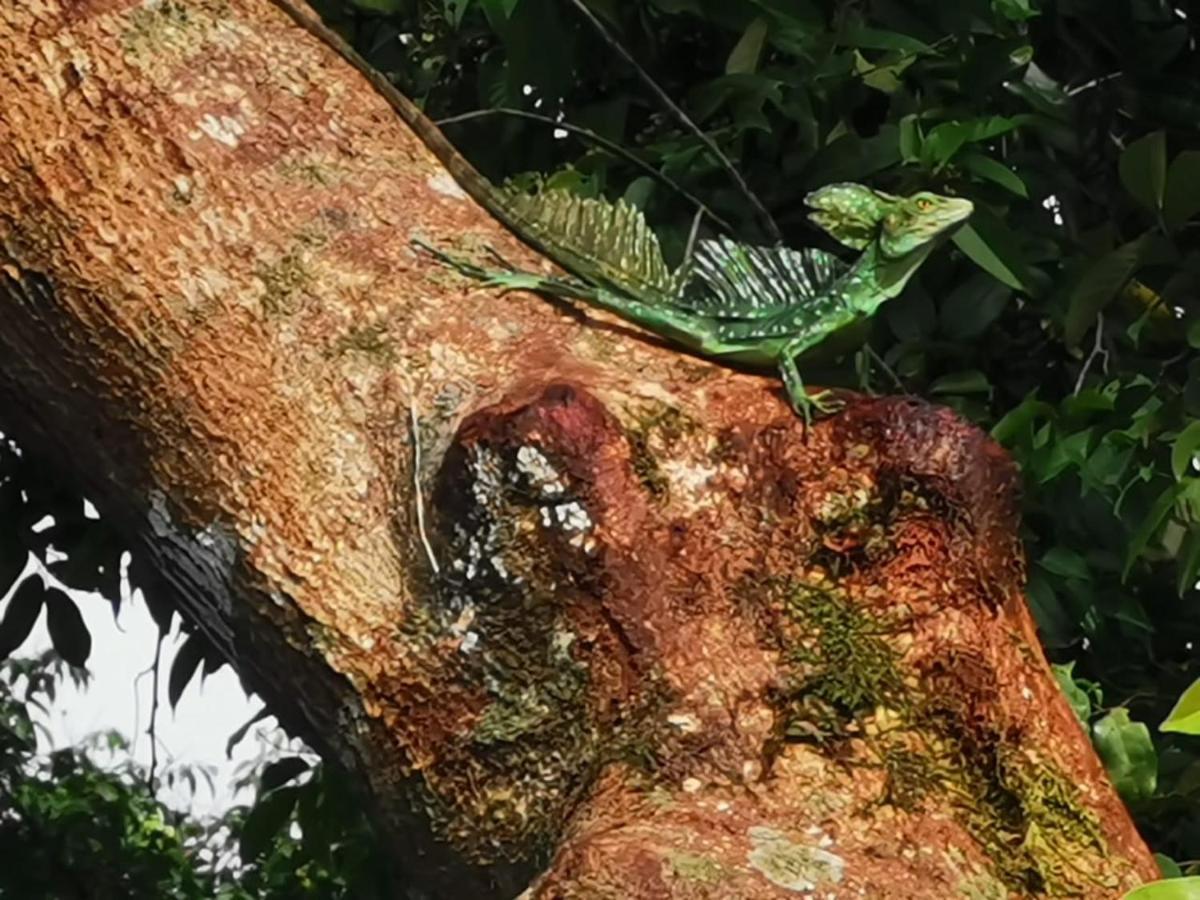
(1170, 889)
(1185, 716)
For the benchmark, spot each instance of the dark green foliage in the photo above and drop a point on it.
(1067, 322)
(72, 828)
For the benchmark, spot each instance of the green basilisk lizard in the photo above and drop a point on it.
(755, 306)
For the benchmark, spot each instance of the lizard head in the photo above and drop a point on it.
(917, 221)
(856, 215)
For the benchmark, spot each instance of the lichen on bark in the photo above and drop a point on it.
(677, 644)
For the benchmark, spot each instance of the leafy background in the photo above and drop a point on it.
(1065, 318)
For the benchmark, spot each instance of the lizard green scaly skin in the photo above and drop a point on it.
(756, 306)
(760, 307)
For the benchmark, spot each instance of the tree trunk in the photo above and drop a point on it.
(673, 645)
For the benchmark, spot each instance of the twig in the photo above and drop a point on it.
(152, 730)
(415, 424)
(1095, 82)
(1097, 351)
(601, 141)
(684, 118)
(686, 265)
(886, 368)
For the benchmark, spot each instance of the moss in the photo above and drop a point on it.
(370, 340)
(150, 23)
(695, 868)
(1031, 823)
(515, 527)
(654, 425)
(308, 171)
(911, 776)
(838, 653)
(844, 675)
(282, 281)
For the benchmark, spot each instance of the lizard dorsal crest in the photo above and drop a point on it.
(735, 277)
(609, 243)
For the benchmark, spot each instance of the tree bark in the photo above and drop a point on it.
(674, 646)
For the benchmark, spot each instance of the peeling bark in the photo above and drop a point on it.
(676, 647)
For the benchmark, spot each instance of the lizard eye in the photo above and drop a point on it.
(924, 205)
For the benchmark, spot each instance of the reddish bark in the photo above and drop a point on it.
(677, 645)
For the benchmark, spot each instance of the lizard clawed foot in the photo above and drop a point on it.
(816, 405)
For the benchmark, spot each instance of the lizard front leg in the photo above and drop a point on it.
(803, 402)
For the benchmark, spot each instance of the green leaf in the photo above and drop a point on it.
(68, 633)
(1128, 754)
(1167, 866)
(1014, 10)
(1184, 718)
(184, 666)
(1098, 286)
(239, 735)
(944, 140)
(265, 821)
(1075, 695)
(991, 63)
(972, 307)
(1018, 422)
(1170, 889)
(1143, 169)
(879, 39)
(1185, 450)
(24, 607)
(455, 10)
(280, 772)
(743, 59)
(990, 170)
(971, 381)
(1182, 200)
(910, 138)
(498, 12)
(1065, 563)
(1189, 561)
(385, 7)
(1150, 526)
(851, 158)
(980, 252)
